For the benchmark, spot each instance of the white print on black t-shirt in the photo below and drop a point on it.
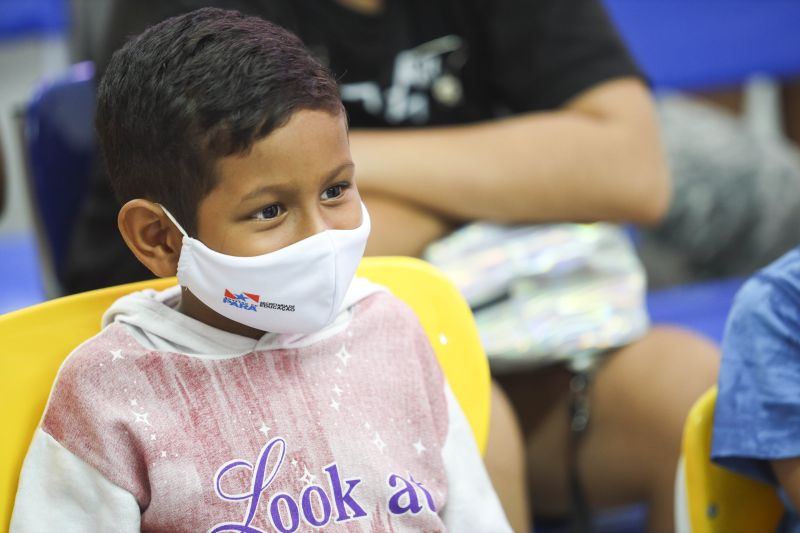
(419, 73)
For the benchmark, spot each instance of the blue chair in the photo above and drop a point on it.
(59, 140)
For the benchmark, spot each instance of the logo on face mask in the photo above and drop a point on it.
(243, 300)
(251, 302)
(278, 307)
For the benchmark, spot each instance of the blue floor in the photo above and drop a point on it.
(627, 520)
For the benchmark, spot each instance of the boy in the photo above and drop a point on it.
(757, 416)
(271, 390)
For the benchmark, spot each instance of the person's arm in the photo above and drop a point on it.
(596, 158)
(58, 490)
(472, 504)
(788, 473)
(401, 228)
(757, 400)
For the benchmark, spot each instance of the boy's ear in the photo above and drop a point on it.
(151, 236)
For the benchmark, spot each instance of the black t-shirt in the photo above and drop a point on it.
(416, 63)
(438, 62)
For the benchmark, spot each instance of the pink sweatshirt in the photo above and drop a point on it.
(162, 423)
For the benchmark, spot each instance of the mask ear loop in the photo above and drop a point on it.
(180, 228)
(172, 218)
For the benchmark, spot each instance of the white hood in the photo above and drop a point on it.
(153, 321)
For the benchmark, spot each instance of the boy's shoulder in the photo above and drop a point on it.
(93, 400)
(384, 303)
(100, 353)
(92, 374)
(385, 311)
(384, 320)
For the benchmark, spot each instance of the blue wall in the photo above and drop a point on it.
(706, 43)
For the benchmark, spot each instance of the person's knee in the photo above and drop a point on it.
(668, 364)
(646, 389)
(688, 355)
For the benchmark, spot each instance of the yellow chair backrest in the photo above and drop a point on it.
(37, 339)
(719, 500)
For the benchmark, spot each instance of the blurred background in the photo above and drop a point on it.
(39, 39)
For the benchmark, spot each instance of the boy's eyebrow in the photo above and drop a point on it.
(265, 189)
(338, 170)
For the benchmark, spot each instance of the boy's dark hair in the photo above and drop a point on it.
(193, 89)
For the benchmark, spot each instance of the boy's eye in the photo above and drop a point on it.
(333, 192)
(269, 212)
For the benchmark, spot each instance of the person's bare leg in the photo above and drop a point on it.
(505, 461)
(642, 396)
(639, 402)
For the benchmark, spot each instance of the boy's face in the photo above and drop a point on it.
(295, 182)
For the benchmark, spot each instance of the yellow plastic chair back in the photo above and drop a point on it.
(719, 500)
(37, 339)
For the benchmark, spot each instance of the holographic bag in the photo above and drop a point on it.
(546, 293)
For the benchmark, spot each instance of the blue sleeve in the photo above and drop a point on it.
(757, 416)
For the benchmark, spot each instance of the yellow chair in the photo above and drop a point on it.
(37, 339)
(719, 500)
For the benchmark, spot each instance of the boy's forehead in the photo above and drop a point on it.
(310, 145)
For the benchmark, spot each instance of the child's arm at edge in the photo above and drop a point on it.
(757, 381)
(788, 473)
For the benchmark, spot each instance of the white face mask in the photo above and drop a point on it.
(297, 289)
